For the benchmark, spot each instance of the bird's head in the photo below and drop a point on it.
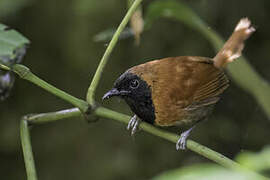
(136, 92)
(129, 86)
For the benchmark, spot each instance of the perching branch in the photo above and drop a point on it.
(107, 113)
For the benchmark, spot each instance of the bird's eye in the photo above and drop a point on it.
(134, 83)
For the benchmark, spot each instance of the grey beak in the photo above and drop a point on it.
(111, 93)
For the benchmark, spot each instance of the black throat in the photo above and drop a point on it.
(140, 100)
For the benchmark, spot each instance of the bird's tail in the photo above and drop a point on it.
(232, 49)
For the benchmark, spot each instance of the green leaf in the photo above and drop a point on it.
(12, 50)
(12, 46)
(202, 172)
(256, 161)
(6, 83)
(205, 171)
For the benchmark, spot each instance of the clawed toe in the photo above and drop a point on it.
(182, 141)
(133, 124)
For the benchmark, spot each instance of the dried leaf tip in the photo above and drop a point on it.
(245, 24)
(232, 49)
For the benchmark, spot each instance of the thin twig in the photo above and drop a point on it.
(43, 118)
(93, 86)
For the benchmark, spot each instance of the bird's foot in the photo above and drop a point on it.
(182, 141)
(133, 124)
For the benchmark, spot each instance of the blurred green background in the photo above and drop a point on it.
(63, 52)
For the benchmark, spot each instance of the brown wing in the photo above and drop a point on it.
(180, 85)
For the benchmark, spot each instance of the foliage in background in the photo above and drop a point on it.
(12, 46)
(205, 171)
(8, 7)
(202, 171)
(257, 161)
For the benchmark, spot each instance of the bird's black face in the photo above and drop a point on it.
(137, 93)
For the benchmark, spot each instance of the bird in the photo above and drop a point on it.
(180, 90)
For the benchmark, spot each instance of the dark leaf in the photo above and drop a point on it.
(12, 50)
(12, 46)
(6, 83)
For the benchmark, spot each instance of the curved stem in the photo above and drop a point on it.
(26, 74)
(93, 86)
(27, 151)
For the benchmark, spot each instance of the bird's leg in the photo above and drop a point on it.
(182, 141)
(133, 124)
